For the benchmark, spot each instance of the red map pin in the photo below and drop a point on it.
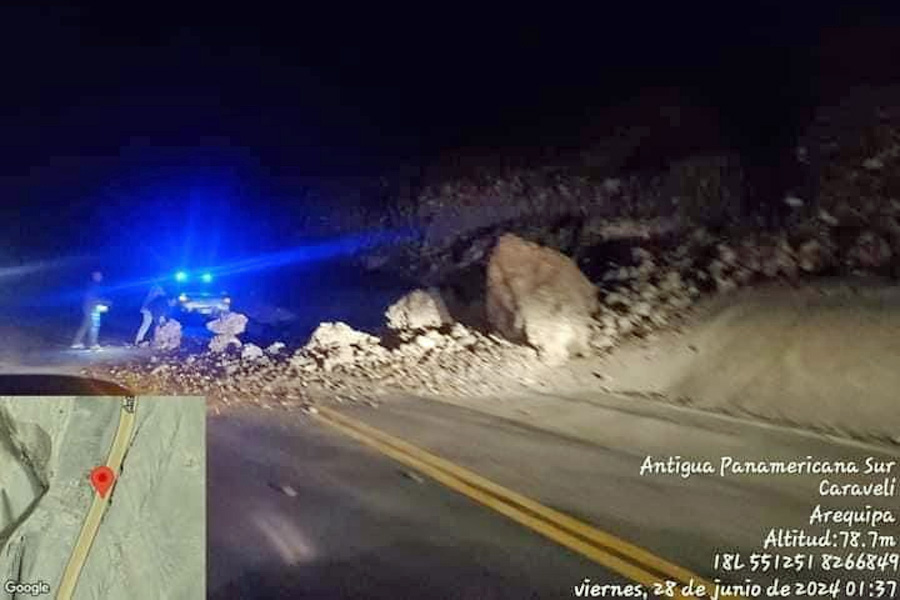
(102, 478)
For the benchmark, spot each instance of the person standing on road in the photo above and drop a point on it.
(150, 312)
(93, 306)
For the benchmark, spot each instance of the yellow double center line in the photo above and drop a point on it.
(605, 549)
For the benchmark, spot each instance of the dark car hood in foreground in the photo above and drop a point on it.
(58, 385)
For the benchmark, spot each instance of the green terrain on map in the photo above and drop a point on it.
(145, 539)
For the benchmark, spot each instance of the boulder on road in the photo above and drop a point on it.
(338, 335)
(167, 336)
(230, 324)
(419, 309)
(227, 328)
(275, 348)
(338, 344)
(538, 296)
(221, 343)
(252, 352)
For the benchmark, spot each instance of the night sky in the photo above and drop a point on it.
(112, 118)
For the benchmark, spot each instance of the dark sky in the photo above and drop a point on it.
(296, 92)
(290, 82)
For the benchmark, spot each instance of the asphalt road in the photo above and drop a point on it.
(297, 509)
(358, 526)
(354, 523)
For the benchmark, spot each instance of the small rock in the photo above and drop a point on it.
(717, 269)
(602, 341)
(413, 476)
(659, 319)
(873, 164)
(671, 282)
(643, 309)
(649, 292)
(459, 331)
(425, 342)
(727, 255)
(725, 285)
(743, 276)
(625, 325)
(617, 299)
(221, 343)
(827, 218)
(641, 255)
(275, 348)
(609, 321)
(612, 186)
(679, 302)
(812, 256)
(870, 251)
(420, 309)
(252, 352)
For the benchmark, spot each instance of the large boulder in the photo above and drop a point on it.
(419, 309)
(221, 343)
(167, 336)
(227, 329)
(230, 324)
(337, 344)
(538, 296)
(339, 335)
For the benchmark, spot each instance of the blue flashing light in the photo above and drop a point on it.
(181, 276)
(206, 277)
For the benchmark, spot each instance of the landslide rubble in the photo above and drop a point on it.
(557, 290)
(424, 352)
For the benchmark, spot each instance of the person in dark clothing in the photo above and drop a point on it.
(93, 307)
(160, 308)
(151, 311)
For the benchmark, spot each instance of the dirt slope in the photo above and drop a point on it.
(823, 356)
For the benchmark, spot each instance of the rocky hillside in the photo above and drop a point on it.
(555, 266)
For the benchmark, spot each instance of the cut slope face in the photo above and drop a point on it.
(820, 356)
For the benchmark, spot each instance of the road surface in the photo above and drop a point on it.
(298, 508)
(544, 492)
(92, 521)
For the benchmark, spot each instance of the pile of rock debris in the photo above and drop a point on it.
(340, 362)
(541, 311)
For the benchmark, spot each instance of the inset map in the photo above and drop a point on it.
(102, 497)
